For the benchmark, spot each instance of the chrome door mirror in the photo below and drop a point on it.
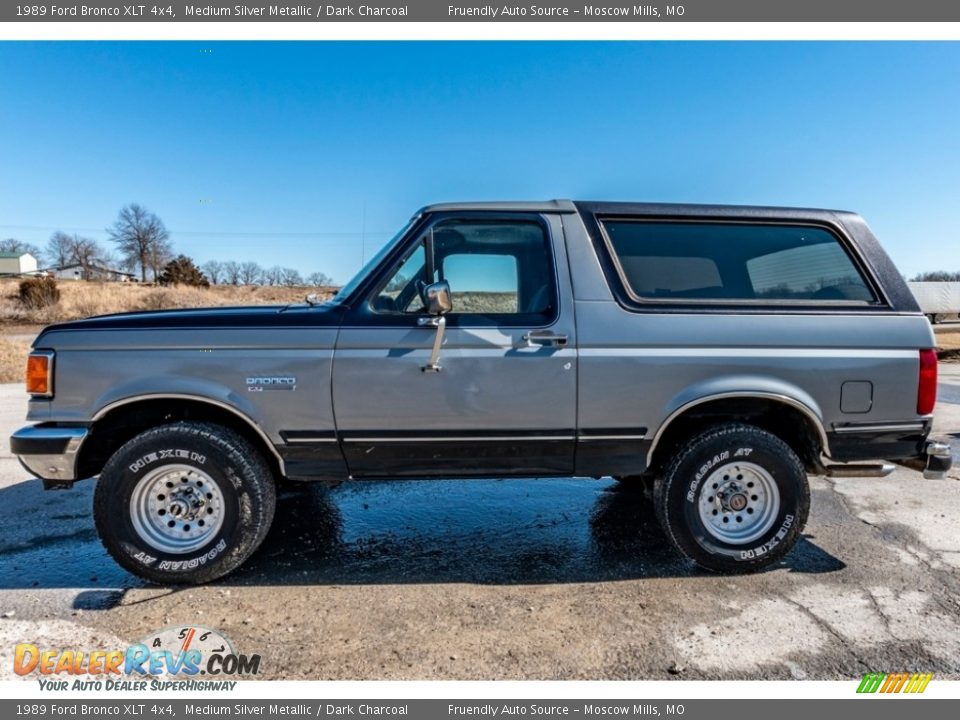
(436, 298)
(437, 302)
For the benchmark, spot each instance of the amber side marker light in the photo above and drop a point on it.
(40, 373)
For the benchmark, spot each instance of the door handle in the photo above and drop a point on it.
(545, 337)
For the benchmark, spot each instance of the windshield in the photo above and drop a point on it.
(348, 289)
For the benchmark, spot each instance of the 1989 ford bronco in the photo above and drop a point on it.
(719, 353)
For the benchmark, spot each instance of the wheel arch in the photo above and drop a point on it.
(121, 420)
(792, 420)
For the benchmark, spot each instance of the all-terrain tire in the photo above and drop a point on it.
(220, 490)
(741, 473)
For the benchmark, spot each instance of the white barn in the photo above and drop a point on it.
(17, 264)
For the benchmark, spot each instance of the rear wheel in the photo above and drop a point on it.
(734, 498)
(184, 503)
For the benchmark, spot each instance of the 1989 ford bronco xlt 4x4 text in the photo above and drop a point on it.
(721, 353)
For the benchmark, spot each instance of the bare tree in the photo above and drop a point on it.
(58, 249)
(250, 273)
(214, 270)
(84, 251)
(319, 279)
(937, 276)
(273, 275)
(290, 276)
(12, 245)
(110, 260)
(65, 249)
(231, 272)
(160, 256)
(142, 238)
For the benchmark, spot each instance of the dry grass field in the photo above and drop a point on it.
(13, 359)
(948, 342)
(79, 299)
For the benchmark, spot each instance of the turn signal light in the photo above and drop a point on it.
(927, 387)
(40, 374)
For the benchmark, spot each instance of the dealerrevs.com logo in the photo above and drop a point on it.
(184, 654)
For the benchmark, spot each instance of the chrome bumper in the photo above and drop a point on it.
(49, 452)
(939, 460)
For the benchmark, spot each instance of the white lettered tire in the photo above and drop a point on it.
(184, 503)
(735, 498)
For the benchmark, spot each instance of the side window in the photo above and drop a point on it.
(731, 261)
(494, 268)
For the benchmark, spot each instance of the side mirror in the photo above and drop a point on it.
(437, 302)
(436, 298)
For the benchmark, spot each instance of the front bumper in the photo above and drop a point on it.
(939, 460)
(49, 452)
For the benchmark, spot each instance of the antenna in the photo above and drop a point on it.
(363, 235)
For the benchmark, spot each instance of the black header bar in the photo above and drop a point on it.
(445, 11)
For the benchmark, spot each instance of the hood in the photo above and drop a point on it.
(265, 316)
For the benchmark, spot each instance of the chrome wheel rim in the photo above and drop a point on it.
(176, 509)
(739, 502)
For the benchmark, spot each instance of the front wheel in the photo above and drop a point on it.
(184, 503)
(734, 498)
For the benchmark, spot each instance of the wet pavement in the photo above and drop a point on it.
(553, 578)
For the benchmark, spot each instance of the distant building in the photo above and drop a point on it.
(17, 264)
(77, 271)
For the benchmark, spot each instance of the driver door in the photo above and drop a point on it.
(504, 399)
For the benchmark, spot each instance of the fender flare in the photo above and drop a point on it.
(144, 397)
(804, 408)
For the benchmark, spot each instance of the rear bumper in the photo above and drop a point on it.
(49, 452)
(902, 443)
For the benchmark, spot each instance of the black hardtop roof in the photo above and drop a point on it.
(636, 208)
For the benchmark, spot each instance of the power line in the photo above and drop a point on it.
(211, 233)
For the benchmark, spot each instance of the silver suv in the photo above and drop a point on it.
(717, 354)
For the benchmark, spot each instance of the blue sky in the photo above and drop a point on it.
(290, 153)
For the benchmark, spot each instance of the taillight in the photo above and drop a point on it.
(40, 373)
(927, 387)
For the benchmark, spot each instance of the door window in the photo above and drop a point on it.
(401, 293)
(496, 269)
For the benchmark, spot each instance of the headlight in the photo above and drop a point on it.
(40, 373)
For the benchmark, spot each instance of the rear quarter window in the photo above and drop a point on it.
(763, 263)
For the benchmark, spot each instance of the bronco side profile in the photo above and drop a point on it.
(720, 354)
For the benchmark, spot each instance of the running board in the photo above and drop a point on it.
(848, 471)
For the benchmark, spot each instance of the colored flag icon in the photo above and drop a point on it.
(894, 682)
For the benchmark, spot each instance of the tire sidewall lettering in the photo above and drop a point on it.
(703, 471)
(769, 541)
(169, 454)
